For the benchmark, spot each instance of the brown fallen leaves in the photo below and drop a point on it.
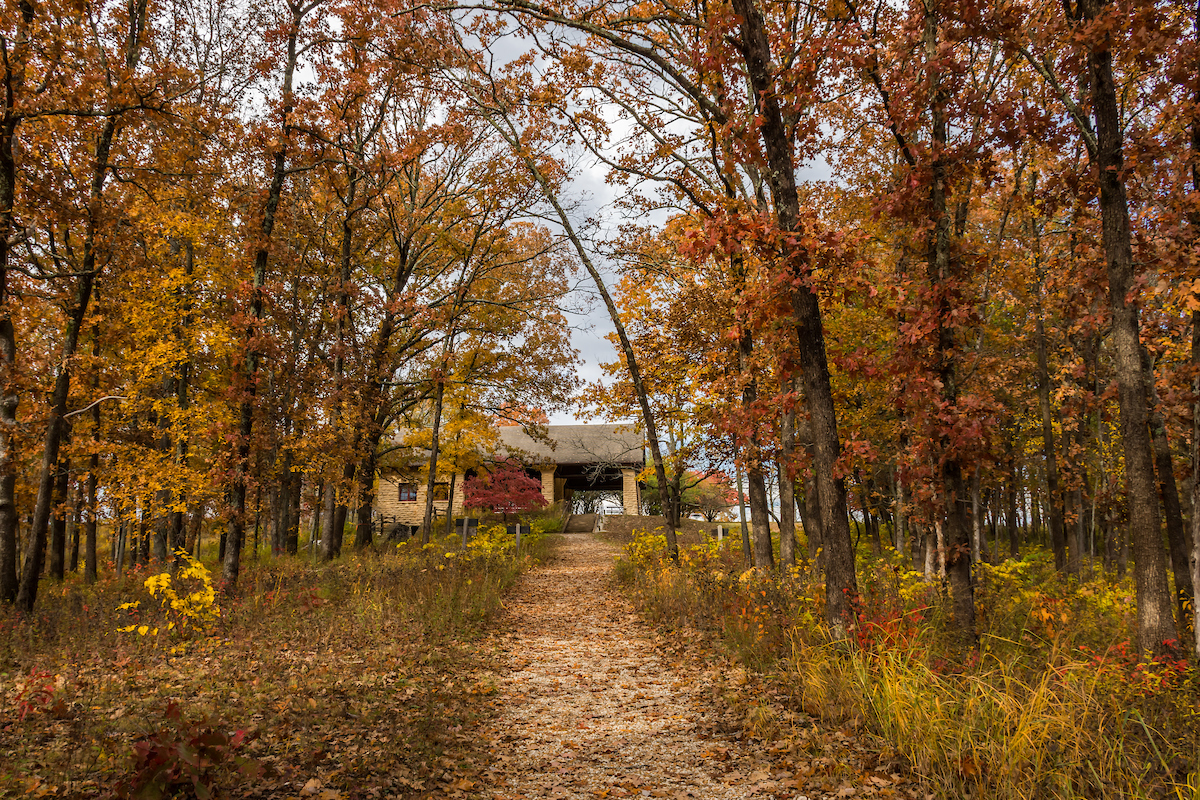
(572, 696)
(593, 703)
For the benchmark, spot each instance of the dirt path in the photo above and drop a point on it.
(589, 707)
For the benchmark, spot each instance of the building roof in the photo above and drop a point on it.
(577, 444)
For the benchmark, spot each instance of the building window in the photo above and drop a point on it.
(408, 493)
(441, 492)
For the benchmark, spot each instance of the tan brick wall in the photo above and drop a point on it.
(411, 512)
(629, 492)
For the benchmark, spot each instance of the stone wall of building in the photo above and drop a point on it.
(629, 492)
(412, 512)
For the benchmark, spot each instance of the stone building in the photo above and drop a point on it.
(571, 458)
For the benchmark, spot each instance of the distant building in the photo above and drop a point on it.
(571, 458)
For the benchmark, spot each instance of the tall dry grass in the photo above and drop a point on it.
(1052, 704)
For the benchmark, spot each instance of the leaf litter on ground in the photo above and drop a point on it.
(592, 702)
(571, 695)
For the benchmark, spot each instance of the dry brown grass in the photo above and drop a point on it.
(355, 679)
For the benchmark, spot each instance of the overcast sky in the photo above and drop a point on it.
(596, 199)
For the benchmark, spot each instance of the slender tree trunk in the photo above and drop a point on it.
(1054, 500)
(812, 504)
(450, 504)
(282, 504)
(841, 583)
(364, 530)
(241, 477)
(929, 551)
(1194, 220)
(760, 521)
(73, 533)
(787, 515)
(328, 521)
(58, 525)
(90, 520)
(314, 529)
(747, 550)
(119, 541)
(1035, 514)
(439, 394)
(176, 536)
(291, 543)
(1014, 534)
(1155, 623)
(1177, 538)
(871, 524)
(13, 84)
(944, 272)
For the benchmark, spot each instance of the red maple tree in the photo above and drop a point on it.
(506, 490)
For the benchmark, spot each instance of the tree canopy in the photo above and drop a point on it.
(240, 247)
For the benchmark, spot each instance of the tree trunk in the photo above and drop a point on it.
(328, 520)
(787, 514)
(841, 583)
(314, 528)
(1155, 623)
(1194, 220)
(13, 84)
(929, 553)
(90, 521)
(760, 521)
(176, 535)
(944, 272)
(364, 530)
(241, 477)
(439, 394)
(871, 524)
(812, 505)
(1177, 538)
(1054, 500)
(58, 525)
(282, 504)
(291, 541)
(1014, 535)
(73, 533)
(450, 504)
(747, 550)
(976, 521)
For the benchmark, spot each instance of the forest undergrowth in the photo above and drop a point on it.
(350, 680)
(1052, 703)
